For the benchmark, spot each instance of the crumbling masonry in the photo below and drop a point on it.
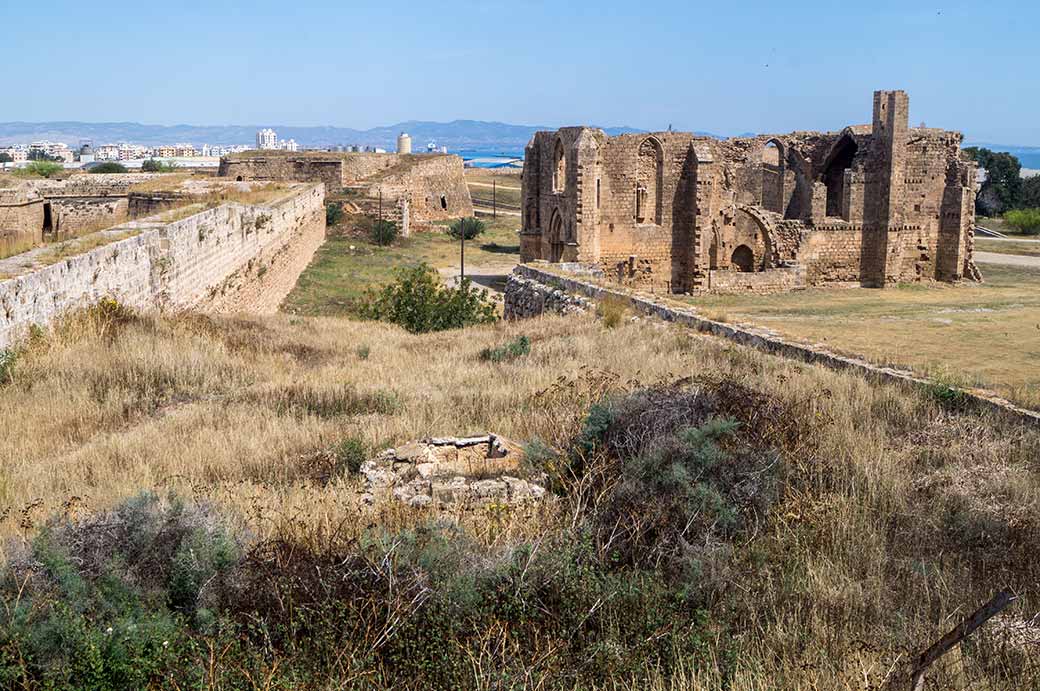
(870, 205)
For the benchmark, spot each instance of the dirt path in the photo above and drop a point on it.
(489, 186)
(490, 276)
(1007, 259)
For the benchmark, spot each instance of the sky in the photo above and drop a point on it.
(722, 67)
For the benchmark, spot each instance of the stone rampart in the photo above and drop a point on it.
(534, 280)
(231, 257)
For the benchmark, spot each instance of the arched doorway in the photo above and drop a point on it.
(743, 259)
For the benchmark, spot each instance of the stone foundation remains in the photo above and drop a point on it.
(228, 258)
(677, 212)
(440, 473)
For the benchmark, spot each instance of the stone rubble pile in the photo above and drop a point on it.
(527, 298)
(442, 472)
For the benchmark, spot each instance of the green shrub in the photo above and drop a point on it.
(154, 166)
(420, 303)
(383, 232)
(468, 227)
(107, 602)
(41, 169)
(350, 454)
(363, 352)
(1026, 221)
(109, 167)
(333, 213)
(510, 351)
(8, 358)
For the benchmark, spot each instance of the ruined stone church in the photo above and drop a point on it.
(670, 211)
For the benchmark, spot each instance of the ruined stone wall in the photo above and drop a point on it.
(75, 216)
(21, 220)
(878, 203)
(434, 186)
(761, 282)
(219, 258)
(276, 167)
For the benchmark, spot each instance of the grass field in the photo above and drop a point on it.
(505, 188)
(344, 268)
(890, 519)
(985, 335)
(1029, 249)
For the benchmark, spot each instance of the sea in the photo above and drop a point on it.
(492, 159)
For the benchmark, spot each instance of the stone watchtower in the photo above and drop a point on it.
(885, 194)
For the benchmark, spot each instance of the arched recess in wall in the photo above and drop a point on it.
(800, 205)
(559, 167)
(743, 259)
(557, 236)
(714, 250)
(774, 168)
(531, 216)
(838, 161)
(649, 181)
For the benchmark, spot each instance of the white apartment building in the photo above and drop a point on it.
(266, 139)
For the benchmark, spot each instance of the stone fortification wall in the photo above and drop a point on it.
(530, 280)
(21, 220)
(274, 166)
(230, 257)
(433, 185)
(75, 216)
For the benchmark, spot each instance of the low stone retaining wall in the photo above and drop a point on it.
(768, 281)
(535, 280)
(217, 258)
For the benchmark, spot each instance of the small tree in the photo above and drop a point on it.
(419, 302)
(42, 169)
(467, 227)
(109, 167)
(153, 166)
(383, 232)
(6, 158)
(1026, 221)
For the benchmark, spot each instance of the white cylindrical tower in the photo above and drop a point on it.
(404, 143)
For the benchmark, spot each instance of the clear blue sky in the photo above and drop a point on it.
(725, 67)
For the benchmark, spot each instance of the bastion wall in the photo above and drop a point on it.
(230, 258)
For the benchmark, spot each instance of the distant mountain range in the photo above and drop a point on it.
(459, 135)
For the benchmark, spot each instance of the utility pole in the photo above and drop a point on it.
(462, 250)
(494, 198)
(380, 203)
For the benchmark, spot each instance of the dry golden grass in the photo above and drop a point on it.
(899, 517)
